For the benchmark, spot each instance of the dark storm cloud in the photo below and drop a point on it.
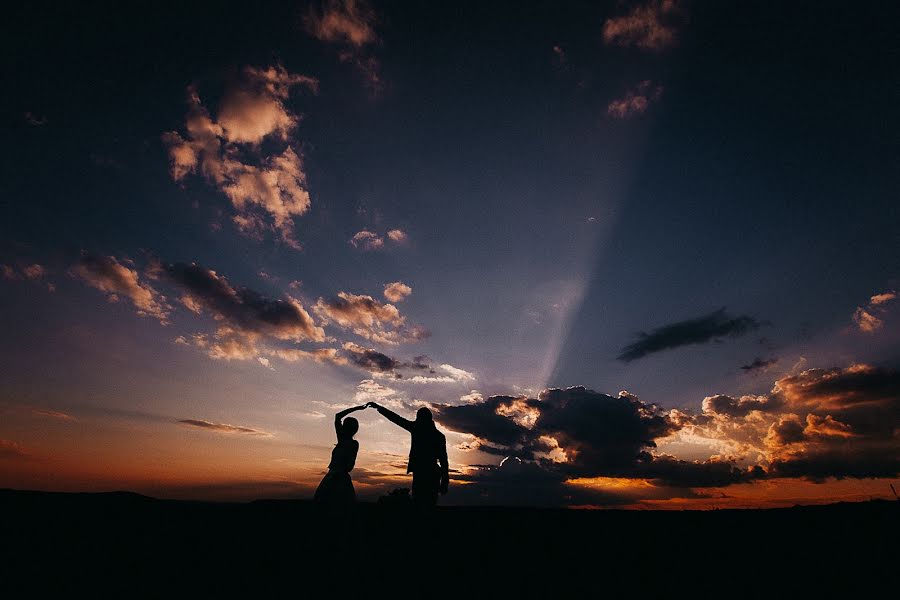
(717, 324)
(370, 359)
(483, 420)
(600, 435)
(759, 364)
(244, 309)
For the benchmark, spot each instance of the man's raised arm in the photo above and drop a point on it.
(392, 416)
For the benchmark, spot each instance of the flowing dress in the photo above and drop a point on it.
(336, 487)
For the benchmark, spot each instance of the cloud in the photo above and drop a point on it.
(53, 414)
(28, 272)
(636, 101)
(396, 291)
(577, 433)
(819, 423)
(10, 449)
(368, 318)
(369, 390)
(267, 190)
(117, 280)
(370, 359)
(367, 240)
(397, 235)
(320, 355)
(759, 364)
(870, 317)
(223, 427)
(242, 308)
(253, 108)
(649, 26)
(245, 317)
(453, 375)
(351, 25)
(701, 330)
(347, 21)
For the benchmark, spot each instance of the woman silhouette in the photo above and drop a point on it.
(336, 489)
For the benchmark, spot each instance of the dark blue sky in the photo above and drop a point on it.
(757, 171)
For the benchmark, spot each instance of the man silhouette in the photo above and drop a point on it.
(427, 455)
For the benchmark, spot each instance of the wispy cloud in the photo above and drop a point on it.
(869, 318)
(759, 364)
(715, 325)
(651, 25)
(635, 101)
(53, 414)
(109, 275)
(350, 24)
(11, 450)
(223, 427)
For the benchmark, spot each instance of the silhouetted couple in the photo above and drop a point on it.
(427, 457)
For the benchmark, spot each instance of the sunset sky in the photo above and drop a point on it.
(639, 254)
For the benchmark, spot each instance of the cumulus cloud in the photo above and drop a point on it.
(577, 433)
(109, 275)
(816, 424)
(396, 291)
(715, 325)
(819, 423)
(367, 240)
(869, 318)
(368, 318)
(223, 427)
(397, 235)
(650, 26)
(635, 101)
(266, 190)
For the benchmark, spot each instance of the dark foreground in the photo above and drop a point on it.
(126, 544)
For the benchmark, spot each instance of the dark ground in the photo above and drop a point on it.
(126, 544)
